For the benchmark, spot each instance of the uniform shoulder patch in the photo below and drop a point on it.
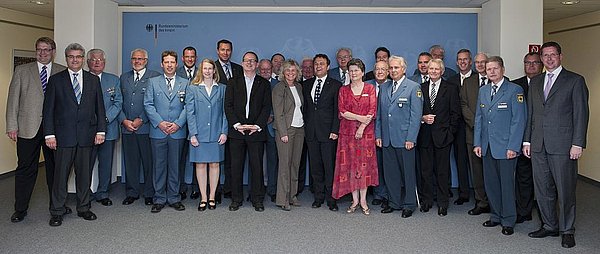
(419, 94)
(520, 98)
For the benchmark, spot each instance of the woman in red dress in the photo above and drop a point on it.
(356, 163)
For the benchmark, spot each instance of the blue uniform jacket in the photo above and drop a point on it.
(133, 99)
(113, 102)
(399, 115)
(206, 114)
(161, 105)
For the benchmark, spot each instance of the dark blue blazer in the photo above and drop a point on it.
(73, 124)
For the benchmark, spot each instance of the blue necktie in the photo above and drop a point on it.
(76, 88)
(44, 78)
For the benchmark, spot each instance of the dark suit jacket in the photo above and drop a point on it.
(447, 115)
(321, 119)
(522, 81)
(73, 124)
(181, 72)
(236, 71)
(260, 106)
(562, 119)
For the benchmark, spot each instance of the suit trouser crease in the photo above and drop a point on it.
(166, 153)
(499, 175)
(66, 158)
(289, 162)
(399, 172)
(322, 165)
(137, 152)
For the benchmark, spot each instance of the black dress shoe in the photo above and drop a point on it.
(489, 223)
(542, 232)
(388, 209)
(460, 201)
(234, 206)
(259, 207)
(376, 201)
(521, 219)
(156, 208)
(178, 206)
(568, 241)
(87, 215)
(333, 207)
(273, 198)
(129, 200)
(384, 204)
(212, 205)
(316, 204)
(508, 230)
(183, 195)
(227, 195)
(202, 206)
(406, 213)
(218, 199)
(195, 195)
(56, 220)
(68, 210)
(105, 201)
(425, 208)
(442, 211)
(18, 216)
(478, 210)
(148, 201)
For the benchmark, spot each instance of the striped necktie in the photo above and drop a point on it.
(76, 87)
(432, 95)
(494, 91)
(44, 78)
(548, 85)
(227, 74)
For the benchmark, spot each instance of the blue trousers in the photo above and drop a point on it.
(499, 179)
(167, 157)
(105, 161)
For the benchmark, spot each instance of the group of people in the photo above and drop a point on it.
(379, 129)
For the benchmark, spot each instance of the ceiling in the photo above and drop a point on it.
(553, 9)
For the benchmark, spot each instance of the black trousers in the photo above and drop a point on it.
(255, 149)
(82, 159)
(322, 166)
(435, 160)
(462, 160)
(524, 186)
(28, 155)
(302, 170)
(136, 149)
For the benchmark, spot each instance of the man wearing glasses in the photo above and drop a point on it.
(340, 73)
(24, 123)
(135, 129)
(74, 122)
(247, 107)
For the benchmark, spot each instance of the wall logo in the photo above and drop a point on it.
(149, 27)
(165, 28)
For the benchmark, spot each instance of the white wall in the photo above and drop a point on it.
(19, 31)
(579, 47)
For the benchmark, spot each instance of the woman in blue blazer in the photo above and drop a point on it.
(207, 128)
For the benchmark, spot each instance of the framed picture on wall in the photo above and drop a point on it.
(22, 57)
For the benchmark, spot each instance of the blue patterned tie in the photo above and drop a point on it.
(44, 78)
(76, 88)
(494, 91)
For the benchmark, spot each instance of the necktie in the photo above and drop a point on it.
(318, 91)
(548, 85)
(189, 71)
(343, 77)
(494, 90)
(169, 86)
(137, 76)
(76, 88)
(227, 74)
(432, 95)
(425, 79)
(483, 81)
(44, 78)
(395, 87)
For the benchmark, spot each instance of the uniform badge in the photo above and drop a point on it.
(419, 93)
(482, 105)
(520, 98)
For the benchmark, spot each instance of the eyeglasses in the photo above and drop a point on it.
(551, 55)
(71, 57)
(138, 59)
(96, 60)
(250, 61)
(343, 57)
(532, 62)
(44, 50)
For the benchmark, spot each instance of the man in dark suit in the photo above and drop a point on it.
(420, 75)
(340, 73)
(469, 93)
(135, 129)
(523, 175)
(499, 126)
(438, 52)
(113, 102)
(321, 128)
(74, 121)
(265, 71)
(441, 113)
(24, 123)
(227, 70)
(276, 62)
(558, 115)
(247, 107)
(464, 63)
(381, 55)
(188, 71)
(164, 105)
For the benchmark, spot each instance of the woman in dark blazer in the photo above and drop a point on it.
(207, 128)
(289, 132)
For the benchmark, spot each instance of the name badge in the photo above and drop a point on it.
(401, 102)
(502, 105)
(365, 95)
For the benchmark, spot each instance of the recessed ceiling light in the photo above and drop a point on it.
(570, 2)
(39, 2)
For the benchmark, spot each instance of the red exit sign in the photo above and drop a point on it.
(534, 48)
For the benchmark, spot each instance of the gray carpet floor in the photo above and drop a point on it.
(133, 229)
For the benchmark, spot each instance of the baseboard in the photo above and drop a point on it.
(589, 180)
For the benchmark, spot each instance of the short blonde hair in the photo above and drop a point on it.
(290, 63)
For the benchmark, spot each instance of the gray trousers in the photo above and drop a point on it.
(400, 175)
(290, 154)
(65, 157)
(499, 175)
(167, 156)
(476, 166)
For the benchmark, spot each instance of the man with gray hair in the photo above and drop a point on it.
(113, 102)
(340, 73)
(74, 122)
